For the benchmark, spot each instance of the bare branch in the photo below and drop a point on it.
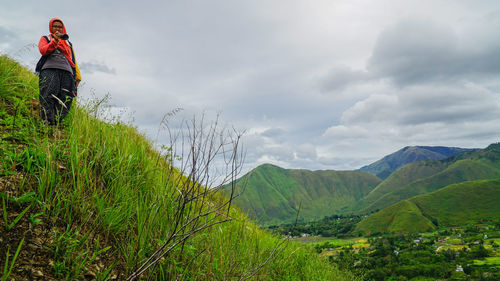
(193, 155)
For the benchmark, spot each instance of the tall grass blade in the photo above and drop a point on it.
(6, 273)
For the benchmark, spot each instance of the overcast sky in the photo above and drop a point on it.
(316, 84)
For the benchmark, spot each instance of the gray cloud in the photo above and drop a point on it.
(306, 151)
(426, 104)
(93, 67)
(273, 132)
(459, 115)
(469, 103)
(421, 51)
(339, 77)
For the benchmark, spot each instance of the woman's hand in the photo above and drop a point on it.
(56, 36)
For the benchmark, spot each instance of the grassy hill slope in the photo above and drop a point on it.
(401, 177)
(96, 201)
(427, 176)
(403, 216)
(463, 170)
(271, 195)
(458, 204)
(463, 203)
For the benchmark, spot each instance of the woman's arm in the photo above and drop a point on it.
(45, 47)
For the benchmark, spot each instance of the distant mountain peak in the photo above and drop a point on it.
(388, 164)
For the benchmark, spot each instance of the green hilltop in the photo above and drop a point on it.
(459, 204)
(271, 195)
(427, 176)
(95, 201)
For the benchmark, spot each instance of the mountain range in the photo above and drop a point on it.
(427, 176)
(454, 205)
(272, 195)
(390, 163)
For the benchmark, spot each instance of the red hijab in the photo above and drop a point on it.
(63, 46)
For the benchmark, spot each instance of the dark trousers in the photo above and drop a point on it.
(56, 94)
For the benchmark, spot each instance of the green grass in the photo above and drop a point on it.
(114, 199)
(404, 216)
(454, 241)
(488, 261)
(347, 242)
(463, 203)
(333, 241)
(9, 265)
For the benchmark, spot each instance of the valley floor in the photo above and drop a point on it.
(457, 253)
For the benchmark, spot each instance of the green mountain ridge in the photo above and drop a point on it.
(273, 195)
(270, 194)
(454, 205)
(403, 176)
(428, 176)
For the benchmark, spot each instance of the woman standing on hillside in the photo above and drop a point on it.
(59, 73)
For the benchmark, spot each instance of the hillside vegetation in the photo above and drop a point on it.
(94, 200)
(427, 176)
(459, 204)
(272, 195)
(401, 177)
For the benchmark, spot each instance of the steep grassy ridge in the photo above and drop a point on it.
(272, 195)
(458, 204)
(463, 203)
(95, 201)
(428, 176)
(385, 166)
(401, 177)
(261, 197)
